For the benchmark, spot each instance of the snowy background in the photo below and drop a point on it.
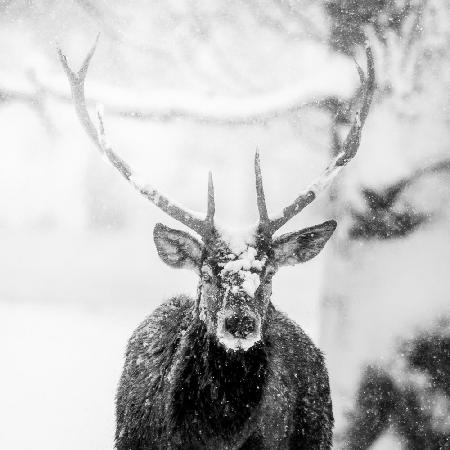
(190, 86)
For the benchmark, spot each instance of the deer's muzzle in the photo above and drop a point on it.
(238, 330)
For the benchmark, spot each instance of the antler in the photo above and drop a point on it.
(351, 144)
(76, 79)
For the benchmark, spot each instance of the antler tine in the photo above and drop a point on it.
(76, 80)
(349, 149)
(260, 197)
(351, 143)
(211, 203)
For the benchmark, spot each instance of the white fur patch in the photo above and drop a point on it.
(232, 343)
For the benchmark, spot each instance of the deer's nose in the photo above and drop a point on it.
(240, 326)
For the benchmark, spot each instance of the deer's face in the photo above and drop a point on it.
(236, 271)
(235, 287)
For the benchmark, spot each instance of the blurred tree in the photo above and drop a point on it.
(412, 395)
(367, 302)
(386, 216)
(351, 17)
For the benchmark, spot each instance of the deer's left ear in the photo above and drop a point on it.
(301, 246)
(177, 248)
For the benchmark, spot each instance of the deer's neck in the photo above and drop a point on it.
(217, 390)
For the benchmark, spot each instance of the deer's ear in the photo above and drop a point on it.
(177, 248)
(301, 246)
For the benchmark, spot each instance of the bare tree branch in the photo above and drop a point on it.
(197, 109)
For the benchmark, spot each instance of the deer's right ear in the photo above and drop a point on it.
(177, 248)
(300, 246)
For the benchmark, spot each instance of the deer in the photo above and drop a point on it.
(226, 369)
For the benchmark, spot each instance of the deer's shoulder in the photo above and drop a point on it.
(292, 344)
(160, 333)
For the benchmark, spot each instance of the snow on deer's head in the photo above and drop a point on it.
(235, 269)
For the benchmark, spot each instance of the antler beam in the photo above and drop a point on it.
(76, 79)
(351, 144)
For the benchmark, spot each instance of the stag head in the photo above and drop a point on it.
(235, 268)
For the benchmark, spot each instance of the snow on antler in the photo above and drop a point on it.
(98, 136)
(269, 225)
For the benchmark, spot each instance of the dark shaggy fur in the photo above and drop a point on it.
(180, 389)
(217, 390)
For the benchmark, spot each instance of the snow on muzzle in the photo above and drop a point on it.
(238, 330)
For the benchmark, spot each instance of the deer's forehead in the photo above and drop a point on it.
(248, 258)
(234, 252)
(244, 245)
(238, 265)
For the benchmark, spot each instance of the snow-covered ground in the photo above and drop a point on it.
(59, 374)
